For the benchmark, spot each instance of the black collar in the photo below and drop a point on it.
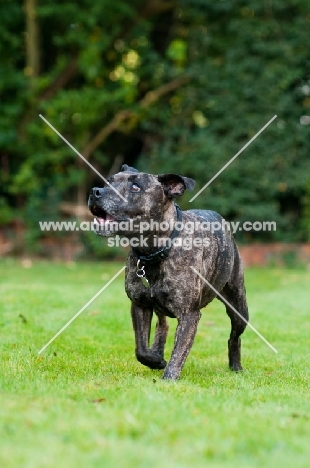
(164, 252)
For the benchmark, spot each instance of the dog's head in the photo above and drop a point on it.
(146, 197)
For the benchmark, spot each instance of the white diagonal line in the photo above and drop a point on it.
(82, 157)
(83, 308)
(232, 159)
(238, 313)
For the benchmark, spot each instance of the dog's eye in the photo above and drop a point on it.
(135, 188)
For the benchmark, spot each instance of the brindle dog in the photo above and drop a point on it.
(172, 288)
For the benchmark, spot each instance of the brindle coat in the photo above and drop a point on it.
(175, 289)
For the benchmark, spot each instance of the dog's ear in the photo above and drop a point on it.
(174, 185)
(126, 168)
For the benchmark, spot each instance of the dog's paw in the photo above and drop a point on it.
(236, 367)
(171, 374)
(160, 365)
(151, 359)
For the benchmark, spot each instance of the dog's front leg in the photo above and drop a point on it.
(141, 320)
(161, 332)
(183, 342)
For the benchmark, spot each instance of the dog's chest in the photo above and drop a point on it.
(165, 294)
(148, 294)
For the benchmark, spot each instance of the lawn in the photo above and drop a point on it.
(86, 402)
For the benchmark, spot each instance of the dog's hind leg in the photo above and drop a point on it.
(234, 293)
(141, 320)
(160, 335)
(238, 325)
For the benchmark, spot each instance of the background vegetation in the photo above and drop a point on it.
(166, 85)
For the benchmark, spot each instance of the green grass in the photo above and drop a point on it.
(86, 402)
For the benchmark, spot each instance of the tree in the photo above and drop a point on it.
(162, 84)
(249, 61)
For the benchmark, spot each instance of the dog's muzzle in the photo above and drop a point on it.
(102, 217)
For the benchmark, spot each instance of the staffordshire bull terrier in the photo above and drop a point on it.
(167, 246)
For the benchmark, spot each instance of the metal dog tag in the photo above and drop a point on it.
(141, 274)
(145, 282)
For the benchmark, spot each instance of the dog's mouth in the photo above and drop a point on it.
(101, 216)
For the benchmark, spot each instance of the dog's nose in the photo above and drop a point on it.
(96, 192)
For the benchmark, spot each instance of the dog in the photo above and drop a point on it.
(171, 265)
